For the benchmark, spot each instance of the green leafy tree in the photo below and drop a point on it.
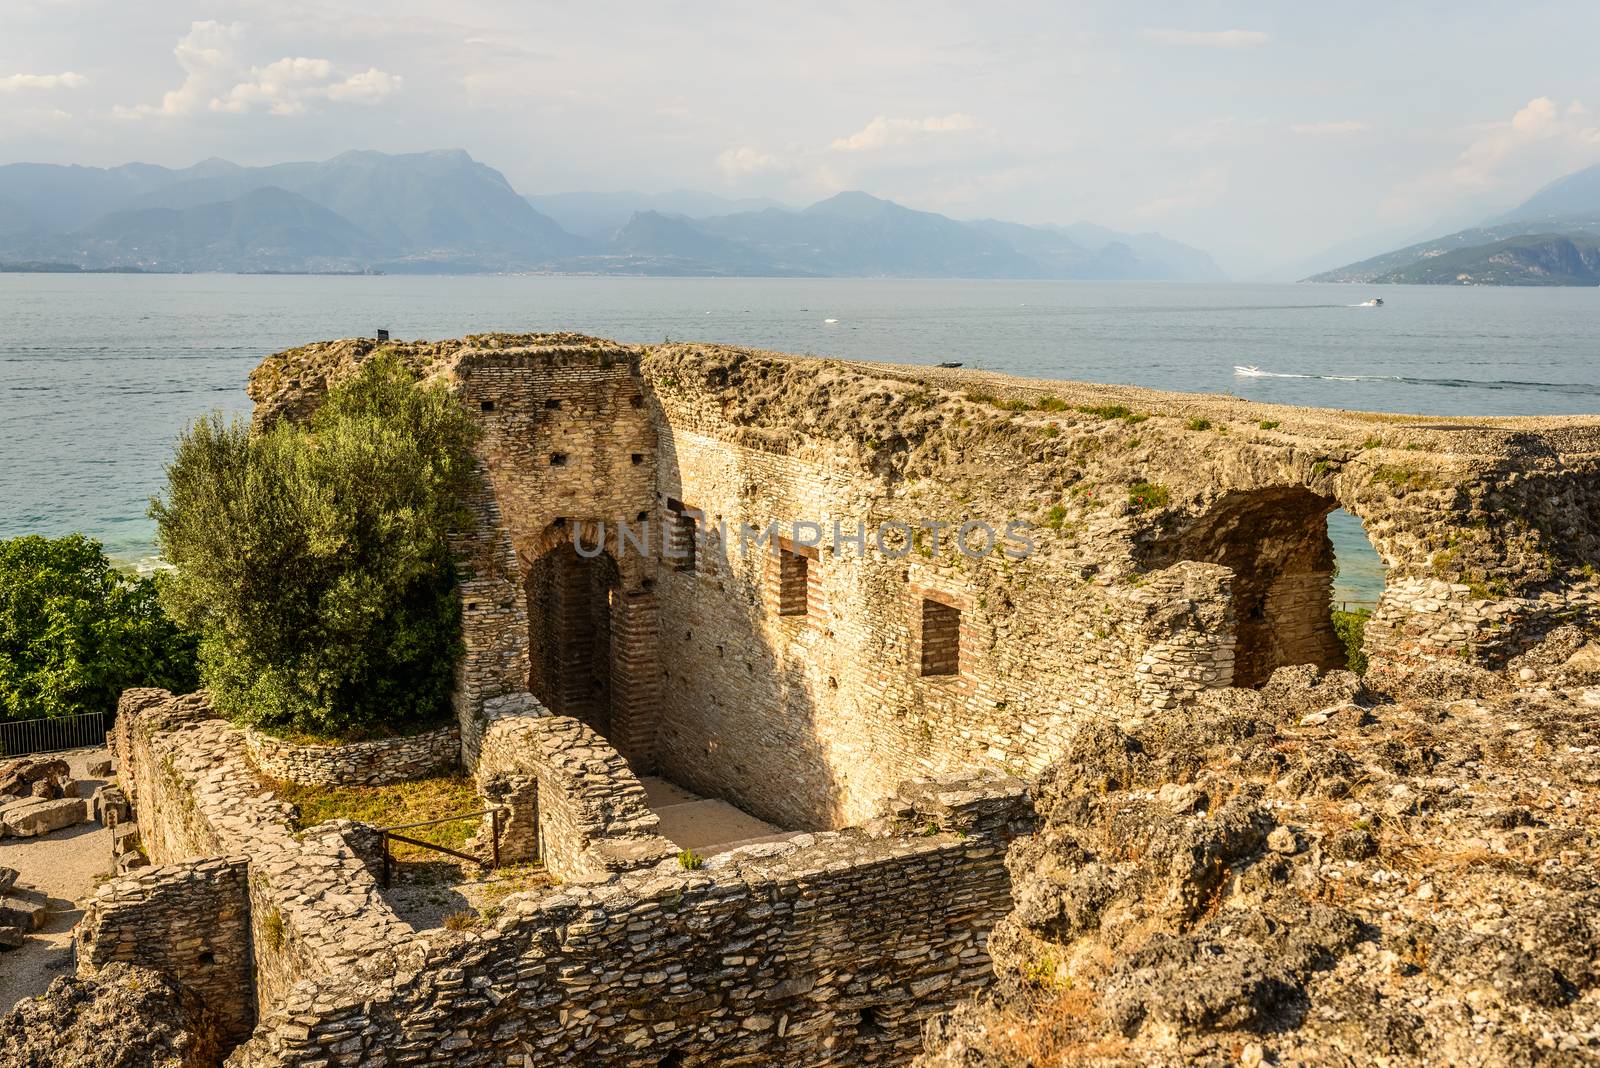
(314, 562)
(74, 632)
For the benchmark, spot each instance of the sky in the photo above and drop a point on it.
(1265, 133)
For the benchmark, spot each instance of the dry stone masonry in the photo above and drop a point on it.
(374, 763)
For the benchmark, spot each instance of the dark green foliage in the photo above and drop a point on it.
(315, 562)
(1351, 628)
(74, 633)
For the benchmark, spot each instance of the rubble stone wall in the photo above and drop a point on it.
(189, 921)
(374, 763)
(832, 950)
(590, 814)
(314, 907)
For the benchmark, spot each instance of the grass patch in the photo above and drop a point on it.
(1055, 516)
(1198, 424)
(387, 806)
(689, 860)
(1269, 424)
(1372, 443)
(1148, 496)
(1402, 477)
(1052, 404)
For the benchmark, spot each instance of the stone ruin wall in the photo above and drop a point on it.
(375, 763)
(570, 794)
(1488, 529)
(190, 921)
(831, 949)
(313, 905)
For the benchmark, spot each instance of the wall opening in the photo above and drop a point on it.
(1276, 543)
(1357, 584)
(682, 535)
(940, 653)
(789, 578)
(571, 603)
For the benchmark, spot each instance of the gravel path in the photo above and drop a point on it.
(66, 865)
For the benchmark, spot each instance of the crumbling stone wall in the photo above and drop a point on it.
(810, 717)
(189, 922)
(374, 763)
(832, 950)
(589, 812)
(314, 907)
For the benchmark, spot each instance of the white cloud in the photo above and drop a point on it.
(883, 131)
(215, 79)
(64, 80)
(1329, 129)
(1207, 38)
(1541, 139)
(746, 160)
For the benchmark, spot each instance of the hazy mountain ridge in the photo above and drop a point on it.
(1547, 240)
(445, 212)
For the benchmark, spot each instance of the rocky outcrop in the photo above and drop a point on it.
(126, 1017)
(1302, 875)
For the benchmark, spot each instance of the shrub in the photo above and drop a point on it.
(1351, 628)
(689, 860)
(1148, 496)
(314, 562)
(1269, 424)
(74, 633)
(1198, 424)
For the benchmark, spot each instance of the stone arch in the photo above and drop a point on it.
(1275, 541)
(593, 636)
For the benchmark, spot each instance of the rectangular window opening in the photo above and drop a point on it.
(941, 639)
(792, 582)
(683, 535)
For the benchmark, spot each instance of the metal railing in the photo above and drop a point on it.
(1357, 605)
(24, 736)
(388, 835)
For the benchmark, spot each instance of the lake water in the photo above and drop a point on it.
(98, 373)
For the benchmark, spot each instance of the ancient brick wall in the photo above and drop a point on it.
(189, 921)
(833, 950)
(374, 763)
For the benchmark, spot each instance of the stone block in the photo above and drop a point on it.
(29, 820)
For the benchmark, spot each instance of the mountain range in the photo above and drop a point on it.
(444, 212)
(1550, 239)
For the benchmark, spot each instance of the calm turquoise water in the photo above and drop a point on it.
(99, 373)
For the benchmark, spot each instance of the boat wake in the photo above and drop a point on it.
(1586, 388)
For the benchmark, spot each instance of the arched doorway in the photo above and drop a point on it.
(571, 605)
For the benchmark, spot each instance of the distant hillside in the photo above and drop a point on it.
(423, 211)
(1547, 240)
(855, 234)
(1526, 260)
(444, 212)
(264, 230)
(598, 216)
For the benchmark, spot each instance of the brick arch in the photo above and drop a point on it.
(593, 648)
